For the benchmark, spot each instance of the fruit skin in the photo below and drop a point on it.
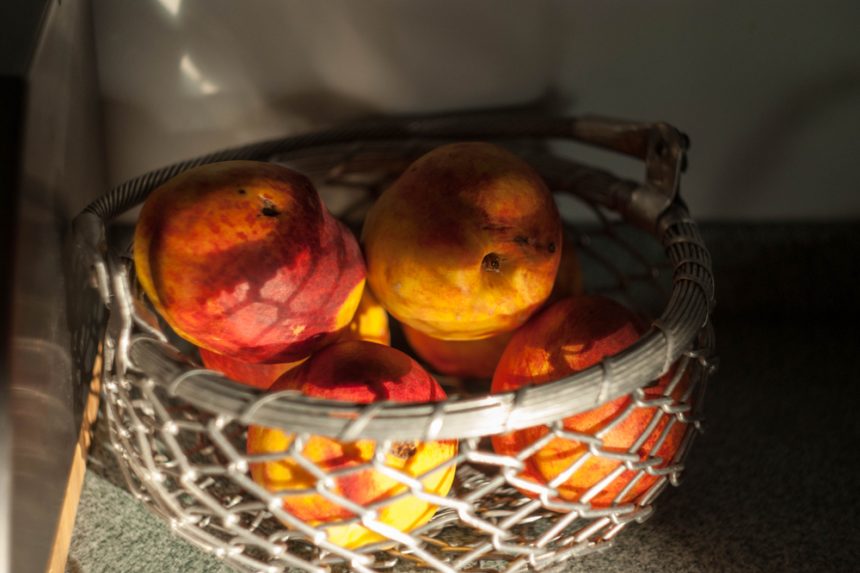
(568, 280)
(466, 358)
(363, 372)
(258, 375)
(478, 358)
(567, 337)
(243, 259)
(370, 322)
(465, 244)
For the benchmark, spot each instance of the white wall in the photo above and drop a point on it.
(769, 92)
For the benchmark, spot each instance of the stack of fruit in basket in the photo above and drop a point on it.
(243, 260)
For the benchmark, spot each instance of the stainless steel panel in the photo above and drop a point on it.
(61, 169)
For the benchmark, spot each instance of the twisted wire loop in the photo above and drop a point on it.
(180, 431)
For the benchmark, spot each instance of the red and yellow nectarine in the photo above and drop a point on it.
(363, 372)
(478, 358)
(465, 244)
(243, 259)
(569, 336)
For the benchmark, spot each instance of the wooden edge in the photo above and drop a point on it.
(69, 509)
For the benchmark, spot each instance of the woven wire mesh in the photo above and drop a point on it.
(189, 463)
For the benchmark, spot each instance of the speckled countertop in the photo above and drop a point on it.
(770, 486)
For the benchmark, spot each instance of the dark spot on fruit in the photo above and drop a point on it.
(269, 209)
(551, 247)
(404, 450)
(491, 263)
(241, 191)
(520, 240)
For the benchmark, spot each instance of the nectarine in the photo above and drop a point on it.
(478, 358)
(243, 259)
(363, 372)
(569, 336)
(465, 244)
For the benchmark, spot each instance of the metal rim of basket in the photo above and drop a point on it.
(653, 205)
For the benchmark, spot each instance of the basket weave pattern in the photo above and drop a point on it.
(179, 431)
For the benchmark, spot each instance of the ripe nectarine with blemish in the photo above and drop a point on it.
(465, 244)
(242, 258)
(362, 372)
(478, 358)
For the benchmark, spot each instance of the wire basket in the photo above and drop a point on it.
(179, 430)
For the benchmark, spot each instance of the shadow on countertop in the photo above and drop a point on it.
(799, 270)
(771, 485)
